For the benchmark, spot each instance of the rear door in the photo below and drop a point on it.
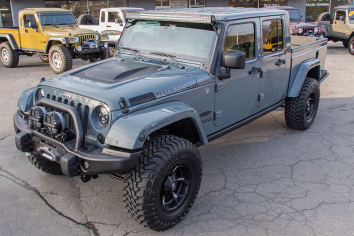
(236, 97)
(275, 64)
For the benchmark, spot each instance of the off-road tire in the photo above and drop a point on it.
(147, 181)
(44, 164)
(44, 58)
(64, 53)
(345, 44)
(300, 112)
(103, 55)
(86, 19)
(351, 45)
(8, 57)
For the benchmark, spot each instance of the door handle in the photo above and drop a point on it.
(254, 70)
(280, 62)
(26, 30)
(108, 26)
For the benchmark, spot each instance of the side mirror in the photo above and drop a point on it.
(118, 20)
(32, 25)
(233, 60)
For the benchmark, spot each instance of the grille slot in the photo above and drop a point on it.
(88, 36)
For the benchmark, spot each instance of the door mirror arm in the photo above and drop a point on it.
(226, 75)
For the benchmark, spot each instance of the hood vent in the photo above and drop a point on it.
(113, 71)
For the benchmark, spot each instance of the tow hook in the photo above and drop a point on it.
(86, 178)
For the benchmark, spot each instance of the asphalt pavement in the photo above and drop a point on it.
(262, 179)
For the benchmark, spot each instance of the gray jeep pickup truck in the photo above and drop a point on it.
(181, 79)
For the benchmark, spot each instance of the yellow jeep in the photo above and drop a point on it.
(52, 34)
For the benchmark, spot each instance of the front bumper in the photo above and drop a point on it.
(72, 161)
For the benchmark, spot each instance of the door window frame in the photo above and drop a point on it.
(256, 46)
(262, 19)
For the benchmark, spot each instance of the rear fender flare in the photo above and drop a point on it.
(125, 132)
(11, 40)
(309, 68)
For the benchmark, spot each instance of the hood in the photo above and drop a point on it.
(293, 21)
(64, 31)
(137, 82)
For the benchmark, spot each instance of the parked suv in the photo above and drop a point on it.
(181, 79)
(298, 27)
(339, 26)
(52, 34)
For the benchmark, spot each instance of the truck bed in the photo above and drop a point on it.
(14, 31)
(304, 48)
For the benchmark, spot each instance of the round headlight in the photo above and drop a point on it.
(40, 93)
(36, 115)
(97, 37)
(103, 116)
(77, 39)
(315, 30)
(54, 123)
(301, 30)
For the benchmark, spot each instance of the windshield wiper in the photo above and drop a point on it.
(66, 24)
(169, 56)
(51, 24)
(137, 54)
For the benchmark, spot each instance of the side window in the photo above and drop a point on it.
(112, 16)
(272, 36)
(103, 16)
(340, 15)
(27, 19)
(241, 38)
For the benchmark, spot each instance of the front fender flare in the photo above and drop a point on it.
(125, 132)
(62, 40)
(301, 75)
(25, 102)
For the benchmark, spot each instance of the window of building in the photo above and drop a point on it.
(196, 3)
(272, 36)
(5, 14)
(255, 3)
(241, 38)
(112, 16)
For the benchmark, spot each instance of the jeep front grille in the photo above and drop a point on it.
(87, 36)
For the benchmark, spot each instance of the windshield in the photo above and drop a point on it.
(192, 41)
(294, 15)
(57, 18)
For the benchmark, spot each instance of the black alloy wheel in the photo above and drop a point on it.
(175, 187)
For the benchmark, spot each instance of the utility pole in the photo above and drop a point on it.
(258, 3)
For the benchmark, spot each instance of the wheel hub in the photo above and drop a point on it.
(175, 187)
(5, 55)
(57, 61)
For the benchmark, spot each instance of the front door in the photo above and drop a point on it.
(30, 33)
(340, 27)
(275, 64)
(111, 24)
(236, 97)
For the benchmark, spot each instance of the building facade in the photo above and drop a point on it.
(309, 9)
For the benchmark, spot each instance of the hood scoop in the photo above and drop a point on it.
(112, 71)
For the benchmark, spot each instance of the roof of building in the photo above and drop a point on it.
(223, 13)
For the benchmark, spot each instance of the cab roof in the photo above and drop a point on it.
(36, 10)
(343, 7)
(223, 13)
